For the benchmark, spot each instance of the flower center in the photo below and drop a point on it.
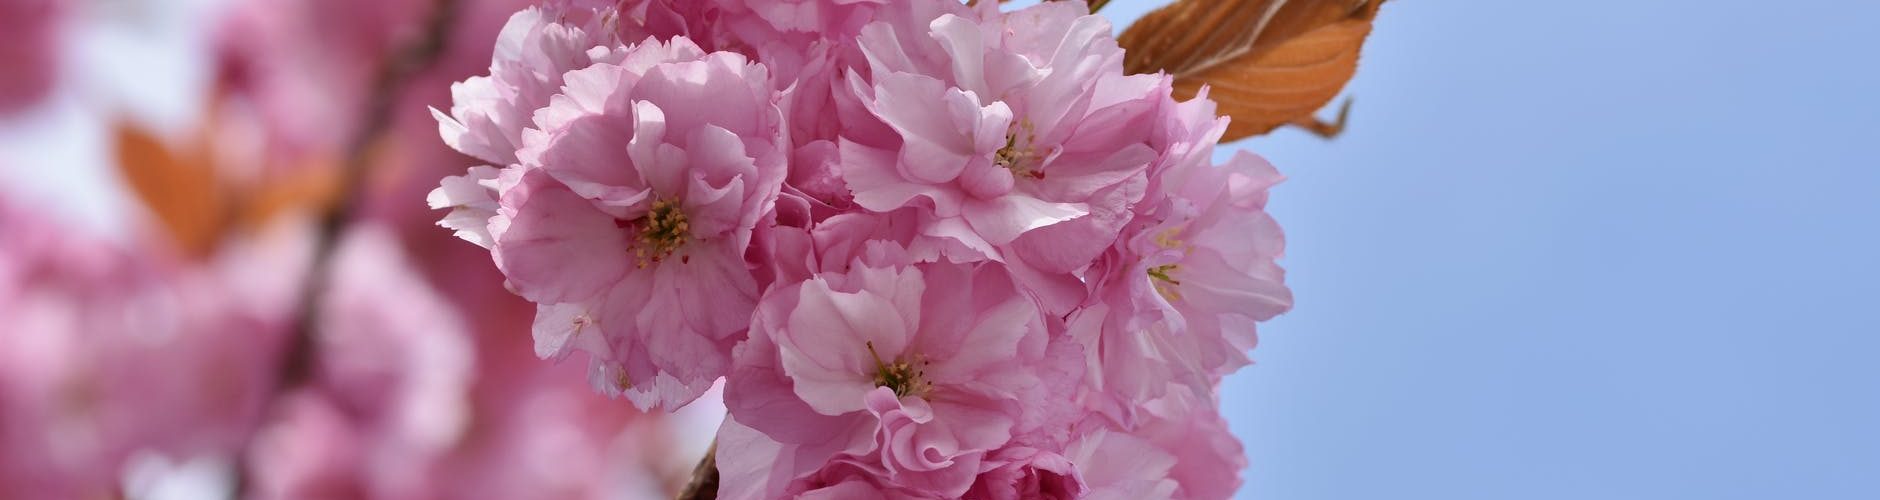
(1018, 155)
(904, 378)
(622, 381)
(1165, 284)
(662, 231)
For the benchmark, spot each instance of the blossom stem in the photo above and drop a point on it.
(299, 355)
(704, 483)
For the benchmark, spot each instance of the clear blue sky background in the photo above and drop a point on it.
(1582, 250)
(1567, 250)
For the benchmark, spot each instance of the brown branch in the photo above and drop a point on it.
(704, 484)
(298, 360)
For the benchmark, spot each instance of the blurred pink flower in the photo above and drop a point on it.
(29, 51)
(107, 352)
(306, 66)
(312, 449)
(394, 361)
(394, 410)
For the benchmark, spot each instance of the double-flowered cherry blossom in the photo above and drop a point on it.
(996, 125)
(935, 250)
(631, 200)
(911, 372)
(489, 113)
(644, 182)
(1175, 300)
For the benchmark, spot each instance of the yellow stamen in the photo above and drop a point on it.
(1018, 155)
(1165, 285)
(906, 379)
(662, 231)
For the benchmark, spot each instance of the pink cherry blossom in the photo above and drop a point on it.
(936, 250)
(1222, 275)
(908, 371)
(1203, 459)
(488, 115)
(643, 183)
(1028, 473)
(757, 20)
(1180, 449)
(1178, 297)
(1006, 122)
(533, 51)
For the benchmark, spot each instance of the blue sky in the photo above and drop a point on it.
(1582, 250)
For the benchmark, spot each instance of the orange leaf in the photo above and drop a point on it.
(185, 190)
(179, 188)
(1267, 62)
(311, 187)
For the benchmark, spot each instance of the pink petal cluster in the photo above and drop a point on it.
(114, 354)
(301, 64)
(29, 51)
(935, 250)
(402, 405)
(391, 389)
(629, 209)
(107, 353)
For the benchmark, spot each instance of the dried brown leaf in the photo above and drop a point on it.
(1267, 62)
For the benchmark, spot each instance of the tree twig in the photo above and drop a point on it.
(299, 357)
(704, 484)
(1315, 126)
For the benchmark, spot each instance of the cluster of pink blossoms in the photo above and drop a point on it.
(935, 250)
(29, 32)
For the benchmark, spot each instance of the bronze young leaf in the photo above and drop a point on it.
(179, 187)
(1267, 62)
(189, 193)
